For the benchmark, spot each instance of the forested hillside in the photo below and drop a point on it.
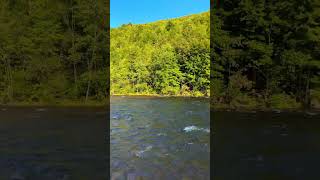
(168, 57)
(266, 53)
(53, 50)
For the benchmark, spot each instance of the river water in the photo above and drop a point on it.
(45, 143)
(160, 138)
(156, 138)
(266, 146)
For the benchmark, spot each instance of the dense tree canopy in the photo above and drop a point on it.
(266, 53)
(52, 50)
(168, 57)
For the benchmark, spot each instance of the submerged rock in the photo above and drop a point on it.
(119, 115)
(140, 153)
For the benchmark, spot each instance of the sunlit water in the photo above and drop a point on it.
(43, 143)
(160, 138)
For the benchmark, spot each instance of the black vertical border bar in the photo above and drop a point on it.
(107, 134)
(211, 89)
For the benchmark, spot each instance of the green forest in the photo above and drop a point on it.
(167, 57)
(262, 54)
(53, 51)
(266, 54)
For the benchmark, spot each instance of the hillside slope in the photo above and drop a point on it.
(167, 57)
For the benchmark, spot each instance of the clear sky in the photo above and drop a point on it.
(144, 11)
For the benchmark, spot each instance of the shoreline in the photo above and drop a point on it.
(266, 110)
(93, 103)
(212, 107)
(220, 108)
(157, 96)
(59, 104)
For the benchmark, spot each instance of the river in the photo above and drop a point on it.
(50, 143)
(262, 145)
(160, 138)
(156, 138)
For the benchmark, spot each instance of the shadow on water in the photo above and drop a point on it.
(53, 143)
(265, 146)
(159, 138)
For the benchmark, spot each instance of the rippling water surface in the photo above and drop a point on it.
(160, 138)
(43, 143)
(266, 146)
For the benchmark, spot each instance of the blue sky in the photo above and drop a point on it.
(144, 11)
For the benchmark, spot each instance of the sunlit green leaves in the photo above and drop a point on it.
(170, 57)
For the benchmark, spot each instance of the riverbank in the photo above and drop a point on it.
(92, 103)
(61, 103)
(213, 106)
(253, 109)
(158, 96)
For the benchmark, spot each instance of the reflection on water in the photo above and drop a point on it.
(53, 143)
(159, 138)
(266, 146)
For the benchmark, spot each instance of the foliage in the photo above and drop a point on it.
(283, 101)
(51, 51)
(274, 44)
(169, 57)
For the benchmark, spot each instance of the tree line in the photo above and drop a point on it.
(168, 57)
(53, 50)
(263, 53)
(266, 54)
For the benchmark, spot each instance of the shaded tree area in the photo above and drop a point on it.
(52, 51)
(266, 54)
(168, 57)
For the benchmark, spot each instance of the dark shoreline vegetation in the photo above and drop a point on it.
(72, 103)
(265, 55)
(54, 52)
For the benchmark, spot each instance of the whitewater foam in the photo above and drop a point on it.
(195, 128)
